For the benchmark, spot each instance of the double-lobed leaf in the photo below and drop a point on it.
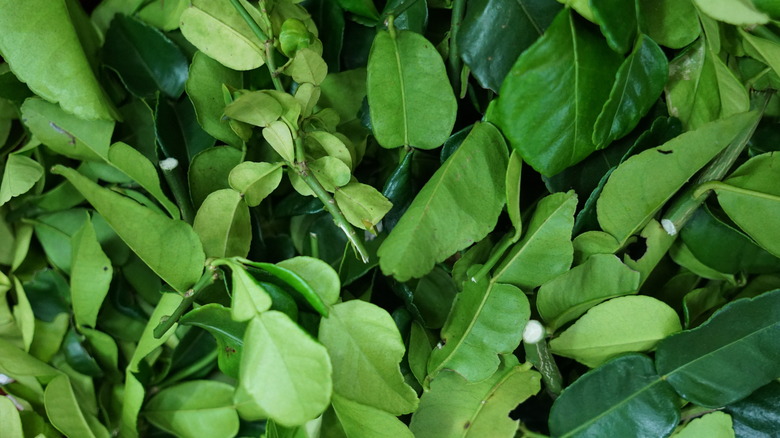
(409, 95)
(547, 104)
(458, 206)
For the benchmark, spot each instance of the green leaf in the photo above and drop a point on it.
(359, 420)
(170, 247)
(670, 23)
(278, 135)
(90, 275)
(331, 172)
(641, 185)
(135, 165)
(751, 198)
(216, 28)
(545, 250)
(736, 12)
(20, 175)
(294, 36)
(513, 173)
(617, 20)
(723, 247)
(163, 14)
(64, 412)
(638, 84)
(409, 95)
(177, 130)
(454, 407)
(322, 278)
(255, 181)
(365, 348)
(204, 88)
(194, 409)
(487, 320)
(362, 205)
(285, 372)
(599, 278)
(624, 397)
(757, 414)
(490, 53)
(249, 297)
(308, 66)
(301, 285)
(32, 53)
(145, 59)
(229, 334)
(210, 170)
(321, 143)
(223, 224)
(363, 8)
(65, 133)
(706, 365)
(9, 417)
(257, 108)
(620, 325)
(767, 50)
(715, 425)
(458, 206)
(574, 61)
(344, 92)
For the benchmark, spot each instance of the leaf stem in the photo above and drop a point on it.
(166, 322)
(175, 177)
(495, 256)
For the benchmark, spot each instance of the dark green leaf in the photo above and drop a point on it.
(671, 23)
(145, 59)
(495, 32)
(229, 334)
(624, 397)
(617, 19)
(570, 59)
(757, 415)
(178, 132)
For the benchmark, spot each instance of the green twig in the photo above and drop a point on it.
(538, 353)
(167, 322)
(495, 256)
(458, 11)
(270, 62)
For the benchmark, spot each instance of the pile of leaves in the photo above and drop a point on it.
(484, 218)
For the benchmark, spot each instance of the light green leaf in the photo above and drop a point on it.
(217, 29)
(164, 14)
(625, 398)
(513, 174)
(768, 51)
(195, 409)
(65, 133)
(257, 108)
(331, 172)
(599, 278)
(322, 278)
(23, 314)
(455, 408)
(365, 348)
(458, 206)
(359, 420)
(64, 412)
(17, 363)
(308, 67)
(641, 185)
(32, 53)
(20, 175)
(135, 165)
(638, 84)
(204, 88)
(285, 372)
(545, 250)
(90, 276)
(671, 23)
(307, 95)
(223, 224)
(321, 143)
(574, 61)
(255, 181)
(210, 169)
(344, 92)
(620, 325)
(229, 334)
(301, 285)
(712, 425)
(487, 320)
(278, 135)
(706, 365)
(170, 247)
(751, 198)
(249, 297)
(362, 205)
(9, 418)
(736, 12)
(409, 94)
